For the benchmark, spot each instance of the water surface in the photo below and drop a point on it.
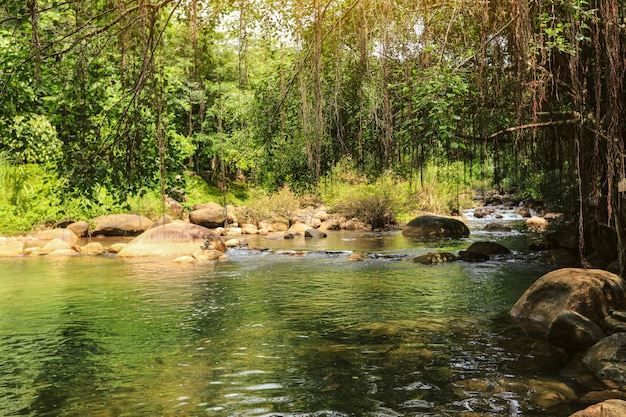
(273, 334)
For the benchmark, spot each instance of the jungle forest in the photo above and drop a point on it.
(103, 101)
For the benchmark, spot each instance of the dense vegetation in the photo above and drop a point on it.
(105, 102)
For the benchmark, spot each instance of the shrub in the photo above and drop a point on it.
(264, 205)
(375, 204)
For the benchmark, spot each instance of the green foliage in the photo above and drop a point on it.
(30, 139)
(30, 195)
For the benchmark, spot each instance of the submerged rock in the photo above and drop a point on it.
(434, 227)
(435, 258)
(314, 233)
(497, 227)
(357, 257)
(488, 248)
(468, 256)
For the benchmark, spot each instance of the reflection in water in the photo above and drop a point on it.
(73, 363)
(268, 334)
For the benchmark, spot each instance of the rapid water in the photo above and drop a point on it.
(274, 334)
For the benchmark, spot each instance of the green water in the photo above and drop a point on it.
(269, 334)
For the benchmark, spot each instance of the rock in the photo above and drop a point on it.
(236, 243)
(594, 397)
(434, 258)
(357, 257)
(209, 215)
(330, 224)
(574, 331)
(560, 256)
(174, 239)
(322, 215)
(54, 245)
(32, 250)
(249, 229)
(433, 227)
(80, 229)
(354, 225)
(608, 408)
(468, 256)
(174, 208)
(15, 248)
(209, 255)
(479, 213)
(299, 228)
(314, 233)
(276, 224)
(92, 248)
(233, 231)
(63, 252)
(65, 235)
(524, 212)
(497, 227)
(289, 235)
(120, 225)
(548, 393)
(184, 260)
(536, 224)
(615, 321)
(161, 221)
(116, 247)
(290, 252)
(488, 248)
(607, 359)
(590, 292)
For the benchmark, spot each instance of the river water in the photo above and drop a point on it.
(275, 333)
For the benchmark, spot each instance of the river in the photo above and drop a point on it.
(274, 333)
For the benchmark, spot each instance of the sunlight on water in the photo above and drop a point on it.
(267, 334)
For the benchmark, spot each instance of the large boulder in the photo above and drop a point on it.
(120, 225)
(590, 292)
(608, 408)
(434, 227)
(607, 359)
(173, 239)
(210, 215)
(65, 235)
(81, 228)
(11, 248)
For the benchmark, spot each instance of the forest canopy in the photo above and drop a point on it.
(126, 95)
